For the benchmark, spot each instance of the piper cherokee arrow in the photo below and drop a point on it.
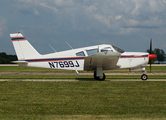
(93, 58)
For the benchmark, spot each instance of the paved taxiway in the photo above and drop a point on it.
(72, 80)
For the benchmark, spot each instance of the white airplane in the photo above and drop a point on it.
(94, 58)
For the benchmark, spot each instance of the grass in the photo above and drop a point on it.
(22, 69)
(78, 77)
(82, 100)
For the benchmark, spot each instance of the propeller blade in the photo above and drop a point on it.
(150, 53)
(150, 65)
(150, 46)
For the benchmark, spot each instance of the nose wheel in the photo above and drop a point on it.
(144, 77)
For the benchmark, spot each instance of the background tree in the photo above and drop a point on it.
(6, 59)
(160, 54)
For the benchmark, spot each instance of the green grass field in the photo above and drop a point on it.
(90, 100)
(82, 100)
(80, 77)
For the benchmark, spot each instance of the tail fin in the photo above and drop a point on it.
(23, 48)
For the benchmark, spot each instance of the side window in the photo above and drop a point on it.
(80, 54)
(107, 49)
(93, 51)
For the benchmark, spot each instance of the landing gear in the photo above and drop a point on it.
(98, 77)
(144, 77)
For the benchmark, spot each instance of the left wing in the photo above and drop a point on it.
(106, 60)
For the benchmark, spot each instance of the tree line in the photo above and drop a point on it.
(161, 56)
(6, 59)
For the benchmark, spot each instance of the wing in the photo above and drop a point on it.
(106, 60)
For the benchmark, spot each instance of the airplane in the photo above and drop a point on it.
(93, 58)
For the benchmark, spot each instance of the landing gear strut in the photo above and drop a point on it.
(98, 77)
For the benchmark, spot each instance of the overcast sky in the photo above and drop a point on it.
(127, 24)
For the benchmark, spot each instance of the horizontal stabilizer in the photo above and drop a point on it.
(21, 63)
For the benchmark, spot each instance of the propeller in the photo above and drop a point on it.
(151, 56)
(150, 53)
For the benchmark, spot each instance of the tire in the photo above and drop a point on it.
(95, 77)
(98, 78)
(102, 79)
(144, 77)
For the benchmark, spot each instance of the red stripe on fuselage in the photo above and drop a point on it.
(122, 57)
(53, 60)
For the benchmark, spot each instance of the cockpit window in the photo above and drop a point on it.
(107, 49)
(93, 51)
(118, 49)
(80, 54)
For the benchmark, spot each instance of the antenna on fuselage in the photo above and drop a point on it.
(69, 45)
(52, 48)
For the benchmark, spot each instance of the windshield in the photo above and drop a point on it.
(118, 49)
(107, 49)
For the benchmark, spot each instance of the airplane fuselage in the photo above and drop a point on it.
(70, 60)
(94, 58)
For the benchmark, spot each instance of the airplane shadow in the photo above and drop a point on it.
(87, 79)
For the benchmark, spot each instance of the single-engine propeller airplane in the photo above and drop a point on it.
(94, 58)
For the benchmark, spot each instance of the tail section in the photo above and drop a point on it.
(23, 48)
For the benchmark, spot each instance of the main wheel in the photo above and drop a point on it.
(99, 78)
(144, 77)
(103, 78)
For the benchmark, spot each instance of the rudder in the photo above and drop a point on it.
(23, 48)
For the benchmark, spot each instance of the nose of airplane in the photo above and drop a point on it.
(152, 56)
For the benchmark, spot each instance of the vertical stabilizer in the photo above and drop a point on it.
(23, 48)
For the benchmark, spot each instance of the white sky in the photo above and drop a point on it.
(127, 24)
